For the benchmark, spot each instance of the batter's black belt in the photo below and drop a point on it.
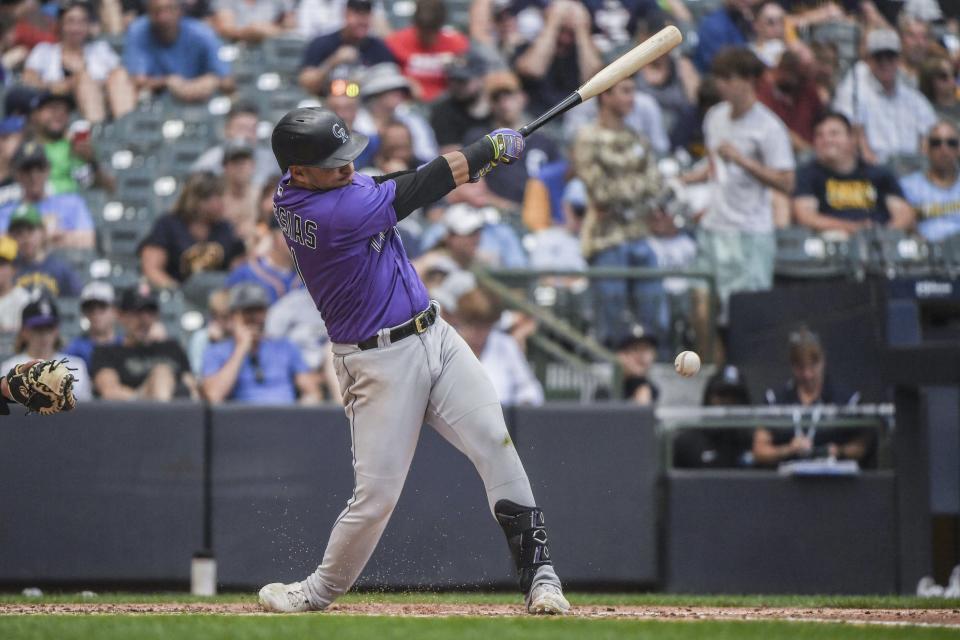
(418, 324)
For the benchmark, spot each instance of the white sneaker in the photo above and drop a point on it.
(547, 599)
(284, 598)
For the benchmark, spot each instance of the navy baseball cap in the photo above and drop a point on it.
(42, 313)
(139, 298)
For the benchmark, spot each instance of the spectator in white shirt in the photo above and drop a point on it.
(87, 69)
(475, 319)
(891, 116)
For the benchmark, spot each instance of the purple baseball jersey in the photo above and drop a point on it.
(348, 252)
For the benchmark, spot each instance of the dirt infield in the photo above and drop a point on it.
(938, 617)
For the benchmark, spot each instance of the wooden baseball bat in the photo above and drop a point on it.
(623, 67)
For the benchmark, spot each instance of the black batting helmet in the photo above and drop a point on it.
(315, 137)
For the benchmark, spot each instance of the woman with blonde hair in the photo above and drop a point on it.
(193, 237)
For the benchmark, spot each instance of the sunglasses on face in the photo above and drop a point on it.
(953, 143)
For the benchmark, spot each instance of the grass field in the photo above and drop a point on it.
(427, 616)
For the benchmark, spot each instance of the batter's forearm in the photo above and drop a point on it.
(424, 186)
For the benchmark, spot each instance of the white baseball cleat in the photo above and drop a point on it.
(547, 599)
(284, 598)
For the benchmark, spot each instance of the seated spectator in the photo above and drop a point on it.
(144, 366)
(192, 238)
(892, 116)
(250, 367)
(750, 159)
(164, 51)
(502, 358)
(620, 174)
(66, 218)
(218, 320)
(470, 240)
(717, 448)
(34, 24)
(240, 127)
(387, 97)
(938, 84)
(728, 26)
(790, 92)
(424, 48)
(343, 50)
(917, 45)
(73, 161)
(809, 386)
(836, 190)
(935, 193)
(12, 298)
(394, 150)
(619, 22)
(97, 306)
(39, 339)
(133, 9)
(252, 21)
(561, 58)
(296, 318)
(464, 106)
(636, 354)
(239, 190)
(494, 27)
(11, 137)
(769, 30)
(507, 107)
(645, 117)
(273, 271)
(79, 66)
(37, 269)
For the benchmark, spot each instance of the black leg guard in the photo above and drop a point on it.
(526, 537)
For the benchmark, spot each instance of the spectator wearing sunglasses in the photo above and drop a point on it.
(838, 191)
(250, 367)
(935, 193)
(891, 117)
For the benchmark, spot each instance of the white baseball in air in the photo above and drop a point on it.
(687, 363)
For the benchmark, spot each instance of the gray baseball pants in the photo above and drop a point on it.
(388, 394)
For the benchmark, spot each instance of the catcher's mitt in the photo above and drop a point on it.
(43, 386)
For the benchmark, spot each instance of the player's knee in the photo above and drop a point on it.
(378, 502)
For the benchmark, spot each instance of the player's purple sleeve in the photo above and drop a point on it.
(365, 210)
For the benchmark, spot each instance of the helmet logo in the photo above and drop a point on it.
(340, 132)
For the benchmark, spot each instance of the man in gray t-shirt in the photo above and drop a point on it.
(749, 159)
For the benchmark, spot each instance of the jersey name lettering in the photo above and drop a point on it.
(303, 232)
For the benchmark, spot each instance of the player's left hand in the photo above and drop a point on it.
(507, 148)
(507, 145)
(43, 386)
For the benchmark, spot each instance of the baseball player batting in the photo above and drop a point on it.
(399, 364)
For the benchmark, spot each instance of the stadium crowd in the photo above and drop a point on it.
(838, 117)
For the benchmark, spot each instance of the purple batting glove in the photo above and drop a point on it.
(508, 145)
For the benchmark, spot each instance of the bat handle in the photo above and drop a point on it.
(561, 107)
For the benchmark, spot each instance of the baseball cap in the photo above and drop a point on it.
(727, 382)
(97, 291)
(466, 66)
(46, 97)
(248, 295)
(638, 335)
(11, 124)
(30, 154)
(883, 40)
(381, 78)
(19, 101)
(139, 298)
(364, 6)
(462, 219)
(26, 215)
(41, 313)
(234, 149)
(8, 248)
